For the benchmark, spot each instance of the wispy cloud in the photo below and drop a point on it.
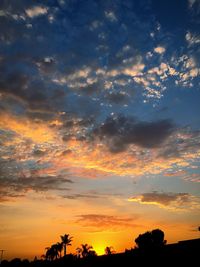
(103, 222)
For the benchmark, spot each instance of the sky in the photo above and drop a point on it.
(99, 122)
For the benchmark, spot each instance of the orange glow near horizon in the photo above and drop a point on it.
(38, 224)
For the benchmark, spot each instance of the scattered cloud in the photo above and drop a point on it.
(111, 16)
(56, 103)
(83, 91)
(36, 11)
(159, 49)
(192, 39)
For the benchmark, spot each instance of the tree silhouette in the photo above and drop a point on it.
(52, 252)
(47, 254)
(158, 238)
(153, 239)
(78, 252)
(86, 250)
(109, 250)
(59, 246)
(66, 241)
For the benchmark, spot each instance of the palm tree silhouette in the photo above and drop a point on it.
(85, 250)
(47, 254)
(59, 247)
(52, 252)
(66, 241)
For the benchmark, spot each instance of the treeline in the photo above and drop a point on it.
(147, 240)
(59, 249)
(150, 249)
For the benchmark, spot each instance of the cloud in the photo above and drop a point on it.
(77, 196)
(18, 178)
(110, 15)
(193, 177)
(120, 131)
(12, 188)
(24, 129)
(88, 149)
(191, 3)
(172, 201)
(48, 94)
(159, 49)
(184, 143)
(36, 11)
(189, 176)
(192, 39)
(31, 95)
(102, 222)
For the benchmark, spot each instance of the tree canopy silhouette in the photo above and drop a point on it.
(66, 241)
(151, 239)
(109, 250)
(86, 250)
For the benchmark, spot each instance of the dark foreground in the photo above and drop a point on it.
(183, 253)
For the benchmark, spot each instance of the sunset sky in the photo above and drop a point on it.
(99, 122)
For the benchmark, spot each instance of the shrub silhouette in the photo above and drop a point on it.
(109, 250)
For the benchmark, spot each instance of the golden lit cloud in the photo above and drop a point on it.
(159, 49)
(36, 11)
(38, 132)
(84, 159)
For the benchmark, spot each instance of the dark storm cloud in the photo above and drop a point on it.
(121, 131)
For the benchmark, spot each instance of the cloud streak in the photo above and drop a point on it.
(102, 222)
(171, 201)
